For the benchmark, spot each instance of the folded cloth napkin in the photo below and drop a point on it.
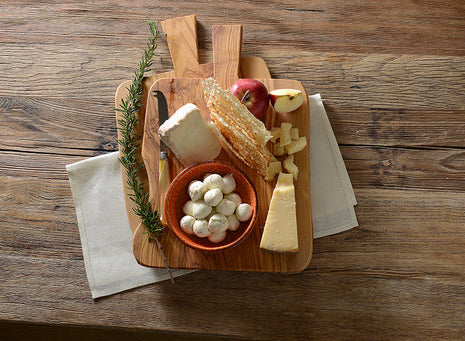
(333, 198)
(106, 236)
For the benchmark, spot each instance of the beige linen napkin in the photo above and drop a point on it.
(104, 228)
(106, 236)
(333, 198)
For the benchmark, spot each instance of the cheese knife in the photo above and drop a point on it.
(163, 167)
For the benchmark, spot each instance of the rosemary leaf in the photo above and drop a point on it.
(130, 141)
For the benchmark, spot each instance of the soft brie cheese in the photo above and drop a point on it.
(188, 136)
(280, 232)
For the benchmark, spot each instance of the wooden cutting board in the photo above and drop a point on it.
(247, 256)
(181, 35)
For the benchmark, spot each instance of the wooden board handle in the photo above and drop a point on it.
(181, 35)
(227, 42)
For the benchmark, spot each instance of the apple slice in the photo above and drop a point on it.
(286, 100)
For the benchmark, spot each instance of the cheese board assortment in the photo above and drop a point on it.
(241, 128)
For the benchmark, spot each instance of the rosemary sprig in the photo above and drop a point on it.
(130, 143)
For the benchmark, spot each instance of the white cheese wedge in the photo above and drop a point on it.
(280, 232)
(188, 136)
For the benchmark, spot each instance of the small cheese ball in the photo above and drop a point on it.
(187, 224)
(233, 222)
(218, 223)
(201, 209)
(188, 208)
(226, 207)
(213, 196)
(211, 213)
(244, 212)
(234, 197)
(217, 237)
(229, 183)
(201, 229)
(197, 189)
(214, 181)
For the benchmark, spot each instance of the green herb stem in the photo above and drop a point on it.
(130, 142)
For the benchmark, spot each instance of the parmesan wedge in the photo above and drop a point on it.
(280, 232)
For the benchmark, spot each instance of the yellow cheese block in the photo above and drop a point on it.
(280, 233)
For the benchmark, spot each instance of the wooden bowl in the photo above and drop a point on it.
(177, 195)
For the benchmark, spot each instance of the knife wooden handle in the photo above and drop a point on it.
(164, 182)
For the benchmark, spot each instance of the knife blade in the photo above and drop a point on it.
(163, 167)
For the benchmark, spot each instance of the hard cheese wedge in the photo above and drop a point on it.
(280, 233)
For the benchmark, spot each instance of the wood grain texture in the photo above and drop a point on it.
(413, 27)
(187, 66)
(34, 332)
(439, 169)
(249, 66)
(391, 75)
(247, 256)
(181, 35)
(227, 45)
(395, 270)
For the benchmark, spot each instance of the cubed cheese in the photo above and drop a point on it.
(274, 168)
(285, 137)
(289, 165)
(273, 158)
(278, 150)
(296, 145)
(294, 133)
(275, 134)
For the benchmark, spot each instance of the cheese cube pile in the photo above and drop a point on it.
(285, 143)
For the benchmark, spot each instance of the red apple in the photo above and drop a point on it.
(253, 94)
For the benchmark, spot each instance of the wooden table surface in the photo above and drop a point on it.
(392, 76)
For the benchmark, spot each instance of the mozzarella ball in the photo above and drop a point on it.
(233, 222)
(201, 228)
(244, 212)
(229, 184)
(226, 207)
(218, 223)
(234, 197)
(187, 224)
(211, 213)
(196, 190)
(201, 209)
(188, 208)
(213, 197)
(205, 176)
(217, 237)
(214, 181)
